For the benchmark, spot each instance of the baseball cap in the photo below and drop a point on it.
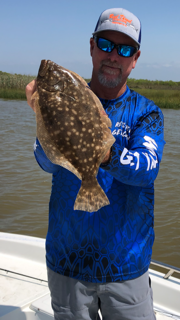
(121, 20)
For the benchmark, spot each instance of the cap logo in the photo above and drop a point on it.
(119, 19)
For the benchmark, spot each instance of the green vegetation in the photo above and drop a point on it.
(166, 94)
(164, 99)
(12, 86)
(157, 84)
(12, 94)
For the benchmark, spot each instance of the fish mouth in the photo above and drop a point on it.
(43, 68)
(49, 77)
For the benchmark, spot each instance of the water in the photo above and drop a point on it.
(25, 188)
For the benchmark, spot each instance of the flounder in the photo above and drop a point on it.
(73, 129)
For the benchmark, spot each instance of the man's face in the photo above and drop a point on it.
(110, 68)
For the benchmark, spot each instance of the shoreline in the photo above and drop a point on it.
(165, 94)
(164, 99)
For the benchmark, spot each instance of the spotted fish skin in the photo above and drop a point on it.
(73, 129)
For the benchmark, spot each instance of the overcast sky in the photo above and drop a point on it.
(60, 30)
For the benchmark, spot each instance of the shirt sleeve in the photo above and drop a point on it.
(138, 163)
(42, 159)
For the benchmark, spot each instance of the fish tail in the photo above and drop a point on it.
(91, 196)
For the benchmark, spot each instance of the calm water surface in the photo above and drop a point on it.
(25, 188)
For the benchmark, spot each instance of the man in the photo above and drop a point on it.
(100, 260)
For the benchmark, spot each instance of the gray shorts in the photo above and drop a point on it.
(79, 300)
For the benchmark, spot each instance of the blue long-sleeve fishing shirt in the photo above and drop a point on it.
(114, 243)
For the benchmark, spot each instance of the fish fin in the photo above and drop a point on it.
(107, 142)
(52, 152)
(106, 121)
(91, 196)
(107, 137)
(35, 96)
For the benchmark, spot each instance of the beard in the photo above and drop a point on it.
(104, 79)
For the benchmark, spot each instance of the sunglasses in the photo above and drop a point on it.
(122, 49)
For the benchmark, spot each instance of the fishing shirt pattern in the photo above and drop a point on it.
(114, 243)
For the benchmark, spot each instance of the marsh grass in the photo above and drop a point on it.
(157, 84)
(165, 94)
(12, 94)
(164, 99)
(14, 81)
(12, 86)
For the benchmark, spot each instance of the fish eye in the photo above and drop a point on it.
(54, 77)
(59, 86)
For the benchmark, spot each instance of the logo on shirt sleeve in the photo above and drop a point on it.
(133, 158)
(122, 129)
(152, 159)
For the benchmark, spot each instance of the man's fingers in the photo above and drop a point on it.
(107, 156)
(103, 112)
(30, 89)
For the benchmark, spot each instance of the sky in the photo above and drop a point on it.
(60, 30)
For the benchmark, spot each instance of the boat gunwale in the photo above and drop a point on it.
(171, 269)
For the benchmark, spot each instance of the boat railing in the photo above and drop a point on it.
(171, 269)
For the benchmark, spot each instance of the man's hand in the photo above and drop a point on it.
(30, 89)
(107, 157)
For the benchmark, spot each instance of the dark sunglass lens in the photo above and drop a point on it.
(104, 45)
(126, 51)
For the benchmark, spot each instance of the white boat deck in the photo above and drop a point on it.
(24, 293)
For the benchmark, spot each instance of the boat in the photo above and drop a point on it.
(24, 293)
